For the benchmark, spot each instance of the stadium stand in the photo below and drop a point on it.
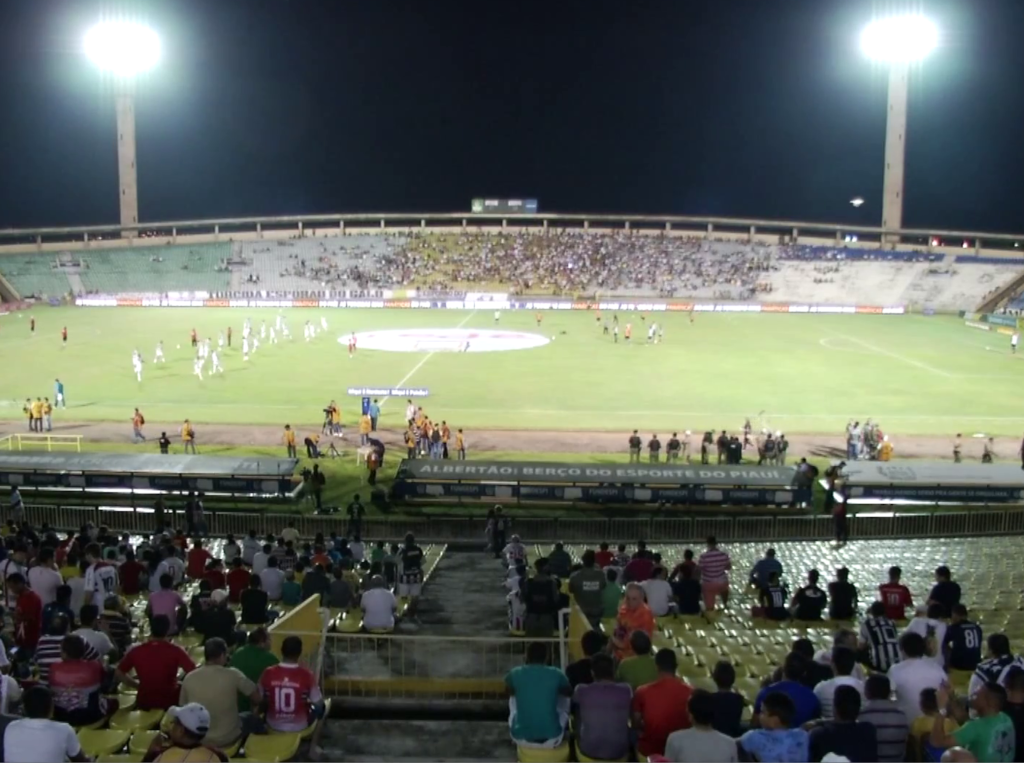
(164, 269)
(35, 276)
(312, 263)
(559, 262)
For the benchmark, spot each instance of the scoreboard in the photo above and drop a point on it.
(484, 206)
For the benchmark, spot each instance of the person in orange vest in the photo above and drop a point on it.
(188, 437)
(289, 442)
(137, 422)
(629, 332)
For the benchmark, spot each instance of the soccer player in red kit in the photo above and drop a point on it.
(351, 344)
(64, 335)
(895, 596)
(294, 701)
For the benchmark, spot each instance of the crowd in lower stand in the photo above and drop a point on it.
(882, 692)
(102, 631)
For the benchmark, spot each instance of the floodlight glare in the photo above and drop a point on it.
(899, 39)
(122, 48)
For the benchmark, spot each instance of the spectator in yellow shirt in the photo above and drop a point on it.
(37, 415)
(47, 414)
(921, 728)
(885, 450)
(460, 445)
(364, 430)
(289, 441)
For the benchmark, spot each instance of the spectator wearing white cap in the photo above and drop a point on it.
(184, 741)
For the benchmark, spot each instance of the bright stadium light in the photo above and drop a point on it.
(899, 39)
(897, 42)
(124, 50)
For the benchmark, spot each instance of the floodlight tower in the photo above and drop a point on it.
(899, 42)
(124, 50)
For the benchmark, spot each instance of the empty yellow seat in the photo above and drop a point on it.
(98, 743)
(276, 747)
(136, 719)
(532, 754)
(580, 757)
(140, 741)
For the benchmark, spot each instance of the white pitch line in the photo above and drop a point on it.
(897, 356)
(423, 361)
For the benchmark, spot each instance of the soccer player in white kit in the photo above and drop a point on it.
(285, 331)
(197, 367)
(220, 340)
(137, 365)
(1013, 342)
(278, 320)
(323, 323)
(273, 336)
(215, 358)
(650, 332)
(159, 356)
(245, 349)
(246, 329)
(497, 315)
(263, 329)
(255, 343)
(307, 331)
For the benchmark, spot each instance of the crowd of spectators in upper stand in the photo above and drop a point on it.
(837, 253)
(572, 262)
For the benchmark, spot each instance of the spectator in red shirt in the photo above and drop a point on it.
(639, 569)
(662, 707)
(197, 558)
(215, 575)
(895, 596)
(156, 663)
(237, 580)
(28, 612)
(604, 557)
(77, 685)
(130, 573)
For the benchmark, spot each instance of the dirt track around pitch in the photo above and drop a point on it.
(482, 441)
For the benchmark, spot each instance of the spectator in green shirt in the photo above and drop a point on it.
(989, 736)
(377, 553)
(612, 594)
(251, 659)
(291, 591)
(640, 668)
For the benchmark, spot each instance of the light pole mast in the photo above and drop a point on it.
(897, 42)
(124, 50)
(127, 174)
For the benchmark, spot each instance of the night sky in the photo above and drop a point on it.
(743, 108)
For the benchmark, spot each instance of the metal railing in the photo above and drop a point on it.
(52, 441)
(970, 521)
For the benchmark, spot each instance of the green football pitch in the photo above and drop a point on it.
(803, 373)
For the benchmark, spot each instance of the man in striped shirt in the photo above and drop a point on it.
(878, 637)
(714, 565)
(890, 722)
(996, 666)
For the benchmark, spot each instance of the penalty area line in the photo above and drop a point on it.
(423, 361)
